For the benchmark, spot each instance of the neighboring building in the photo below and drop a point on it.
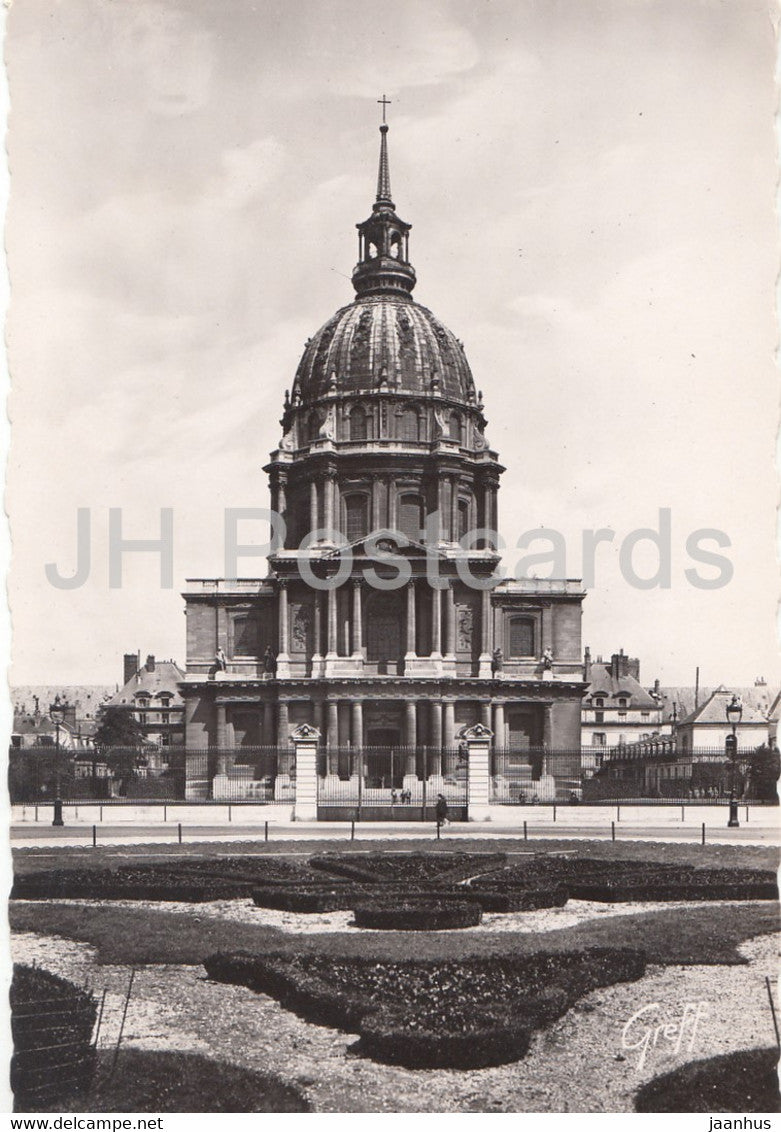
(617, 709)
(152, 691)
(383, 429)
(707, 725)
(31, 706)
(691, 762)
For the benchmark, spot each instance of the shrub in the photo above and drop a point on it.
(519, 899)
(481, 1009)
(395, 868)
(746, 1081)
(51, 1024)
(304, 898)
(126, 883)
(468, 1040)
(418, 915)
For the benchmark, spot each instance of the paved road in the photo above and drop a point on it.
(29, 835)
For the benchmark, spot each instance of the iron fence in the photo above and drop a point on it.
(403, 783)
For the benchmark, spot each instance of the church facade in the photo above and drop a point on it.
(380, 622)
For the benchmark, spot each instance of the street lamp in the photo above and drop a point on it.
(57, 716)
(734, 716)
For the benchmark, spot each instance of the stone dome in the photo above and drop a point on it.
(384, 341)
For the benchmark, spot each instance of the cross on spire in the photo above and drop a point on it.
(383, 102)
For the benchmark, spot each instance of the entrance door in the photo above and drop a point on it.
(384, 762)
(383, 633)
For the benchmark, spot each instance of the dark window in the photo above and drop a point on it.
(411, 516)
(521, 636)
(408, 424)
(356, 513)
(598, 739)
(463, 517)
(313, 426)
(246, 636)
(599, 702)
(456, 427)
(358, 429)
(599, 717)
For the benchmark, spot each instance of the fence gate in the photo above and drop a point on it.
(391, 783)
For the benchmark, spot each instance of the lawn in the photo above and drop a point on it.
(706, 934)
(733, 855)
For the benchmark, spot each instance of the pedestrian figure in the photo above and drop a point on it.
(270, 662)
(441, 809)
(394, 797)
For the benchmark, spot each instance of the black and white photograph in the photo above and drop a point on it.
(392, 560)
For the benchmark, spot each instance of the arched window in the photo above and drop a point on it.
(358, 430)
(409, 424)
(246, 636)
(456, 427)
(356, 517)
(313, 426)
(522, 637)
(395, 245)
(411, 515)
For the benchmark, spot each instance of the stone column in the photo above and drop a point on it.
(411, 641)
(317, 630)
(393, 520)
(436, 623)
(450, 623)
(328, 490)
(454, 508)
(478, 741)
(357, 724)
(499, 733)
(547, 627)
(331, 652)
(486, 633)
(313, 508)
(410, 740)
(376, 520)
(305, 740)
(282, 494)
(357, 619)
(442, 532)
(283, 724)
(283, 657)
(435, 738)
(449, 707)
(333, 726)
(268, 723)
(220, 781)
(485, 714)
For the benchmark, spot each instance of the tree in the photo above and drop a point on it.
(763, 770)
(118, 727)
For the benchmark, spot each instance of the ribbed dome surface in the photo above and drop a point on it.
(384, 341)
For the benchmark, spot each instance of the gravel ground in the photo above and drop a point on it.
(577, 1065)
(299, 923)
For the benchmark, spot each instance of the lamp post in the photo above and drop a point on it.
(734, 716)
(57, 715)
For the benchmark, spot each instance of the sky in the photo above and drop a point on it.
(592, 192)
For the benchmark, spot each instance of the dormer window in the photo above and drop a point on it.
(599, 701)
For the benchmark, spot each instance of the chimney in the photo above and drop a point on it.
(633, 667)
(587, 665)
(150, 663)
(129, 667)
(657, 686)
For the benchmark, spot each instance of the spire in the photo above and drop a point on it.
(383, 176)
(383, 263)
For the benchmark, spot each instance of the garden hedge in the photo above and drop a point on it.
(418, 915)
(746, 1081)
(481, 1009)
(124, 884)
(404, 868)
(51, 1023)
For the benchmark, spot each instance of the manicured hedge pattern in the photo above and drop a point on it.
(746, 1081)
(616, 880)
(418, 915)
(51, 1024)
(461, 1013)
(126, 883)
(404, 868)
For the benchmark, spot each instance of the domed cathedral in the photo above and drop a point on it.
(380, 632)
